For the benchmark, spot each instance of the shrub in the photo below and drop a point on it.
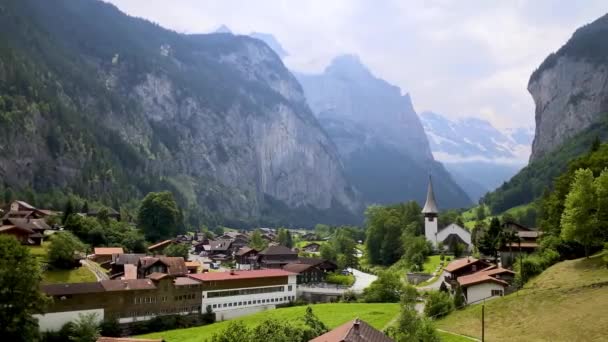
(528, 266)
(438, 304)
(340, 279)
(110, 328)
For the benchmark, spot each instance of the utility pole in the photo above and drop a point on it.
(483, 323)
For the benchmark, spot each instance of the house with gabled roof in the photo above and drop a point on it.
(462, 267)
(173, 266)
(276, 257)
(491, 282)
(353, 331)
(160, 246)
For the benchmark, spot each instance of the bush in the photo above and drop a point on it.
(527, 266)
(169, 322)
(388, 288)
(340, 279)
(438, 304)
(110, 328)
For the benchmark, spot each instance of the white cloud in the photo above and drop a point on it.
(470, 58)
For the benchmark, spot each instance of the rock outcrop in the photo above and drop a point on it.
(570, 88)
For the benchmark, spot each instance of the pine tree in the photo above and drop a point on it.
(69, 210)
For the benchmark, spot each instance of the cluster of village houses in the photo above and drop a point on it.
(142, 286)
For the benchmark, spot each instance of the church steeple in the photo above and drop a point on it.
(430, 207)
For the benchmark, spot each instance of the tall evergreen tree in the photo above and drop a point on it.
(68, 210)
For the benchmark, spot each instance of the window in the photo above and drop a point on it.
(240, 303)
(249, 303)
(224, 304)
(214, 306)
(497, 292)
(230, 304)
(289, 288)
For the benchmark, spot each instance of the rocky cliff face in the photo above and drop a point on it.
(570, 88)
(216, 118)
(378, 134)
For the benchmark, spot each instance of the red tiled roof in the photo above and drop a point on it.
(220, 276)
(484, 276)
(108, 250)
(353, 331)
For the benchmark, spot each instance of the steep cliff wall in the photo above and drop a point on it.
(216, 118)
(570, 88)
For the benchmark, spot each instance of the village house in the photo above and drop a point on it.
(23, 209)
(309, 237)
(200, 245)
(236, 293)
(246, 258)
(276, 257)
(25, 222)
(122, 264)
(462, 267)
(192, 266)
(353, 331)
(322, 264)
(172, 266)
(525, 242)
(21, 234)
(305, 273)
(312, 247)
(491, 282)
(104, 254)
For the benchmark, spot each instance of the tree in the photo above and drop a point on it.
(256, 241)
(438, 304)
(64, 249)
(19, 292)
(276, 331)
(236, 331)
(177, 250)
(158, 216)
(110, 328)
(480, 212)
(284, 238)
(85, 329)
(579, 220)
(489, 241)
(85, 208)
(458, 298)
(601, 189)
(68, 210)
(388, 288)
(315, 324)
(410, 326)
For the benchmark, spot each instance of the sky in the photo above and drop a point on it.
(459, 58)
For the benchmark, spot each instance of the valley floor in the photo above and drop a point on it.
(379, 315)
(567, 302)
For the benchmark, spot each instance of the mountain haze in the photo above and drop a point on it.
(379, 136)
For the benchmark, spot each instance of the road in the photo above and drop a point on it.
(362, 280)
(99, 273)
(434, 285)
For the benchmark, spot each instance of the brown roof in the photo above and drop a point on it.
(460, 263)
(160, 244)
(108, 250)
(244, 250)
(127, 284)
(296, 268)
(127, 339)
(477, 278)
(353, 331)
(4, 229)
(72, 288)
(130, 271)
(175, 265)
(126, 258)
(192, 264)
(29, 223)
(278, 250)
(220, 245)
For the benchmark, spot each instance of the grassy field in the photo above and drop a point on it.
(333, 315)
(567, 302)
(81, 274)
(431, 263)
(40, 252)
(448, 337)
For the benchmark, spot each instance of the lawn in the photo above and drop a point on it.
(431, 263)
(40, 252)
(567, 302)
(448, 337)
(333, 315)
(78, 275)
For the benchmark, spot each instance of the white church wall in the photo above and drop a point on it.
(453, 228)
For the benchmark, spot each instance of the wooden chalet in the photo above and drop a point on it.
(246, 258)
(462, 267)
(172, 266)
(306, 273)
(105, 254)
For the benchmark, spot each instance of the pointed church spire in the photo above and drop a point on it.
(430, 207)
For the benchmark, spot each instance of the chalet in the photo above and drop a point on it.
(353, 331)
(21, 234)
(525, 242)
(220, 249)
(24, 209)
(104, 254)
(199, 247)
(236, 293)
(305, 273)
(28, 229)
(119, 268)
(192, 266)
(157, 248)
(462, 267)
(233, 235)
(309, 237)
(173, 266)
(276, 257)
(322, 264)
(312, 247)
(269, 237)
(490, 282)
(246, 258)
(124, 300)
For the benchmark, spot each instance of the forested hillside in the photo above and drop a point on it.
(110, 107)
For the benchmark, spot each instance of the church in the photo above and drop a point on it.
(449, 235)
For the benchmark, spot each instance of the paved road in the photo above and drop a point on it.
(362, 280)
(434, 285)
